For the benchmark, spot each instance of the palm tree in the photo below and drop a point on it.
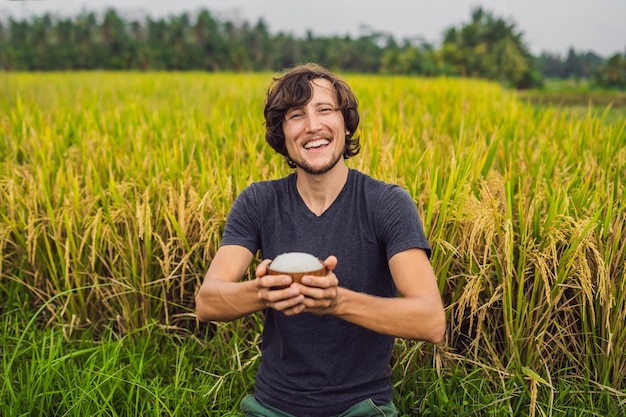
(489, 47)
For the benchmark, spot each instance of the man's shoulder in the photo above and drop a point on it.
(372, 185)
(273, 185)
(380, 196)
(265, 193)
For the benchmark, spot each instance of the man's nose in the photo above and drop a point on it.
(313, 123)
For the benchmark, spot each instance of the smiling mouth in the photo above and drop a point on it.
(316, 144)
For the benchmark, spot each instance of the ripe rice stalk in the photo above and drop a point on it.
(115, 188)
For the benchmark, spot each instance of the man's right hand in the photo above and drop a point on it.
(277, 291)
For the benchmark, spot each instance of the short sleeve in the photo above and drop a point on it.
(243, 222)
(399, 225)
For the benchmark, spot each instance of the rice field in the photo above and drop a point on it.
(114, 190)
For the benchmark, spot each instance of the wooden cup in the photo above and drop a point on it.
(297, 276)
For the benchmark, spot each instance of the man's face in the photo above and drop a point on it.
(315, 133)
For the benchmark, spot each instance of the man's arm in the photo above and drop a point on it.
(418, 314)
(224, 297)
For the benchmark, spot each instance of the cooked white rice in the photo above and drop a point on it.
(296, 262)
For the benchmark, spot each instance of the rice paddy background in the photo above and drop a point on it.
(114, 189)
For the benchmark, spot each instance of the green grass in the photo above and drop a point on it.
(151, 371)
(156, 372)
(579, 98)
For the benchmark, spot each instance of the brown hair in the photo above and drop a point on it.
(293, 89)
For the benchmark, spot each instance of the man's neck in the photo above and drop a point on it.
(320, 191)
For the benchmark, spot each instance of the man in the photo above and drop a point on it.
(327, 342)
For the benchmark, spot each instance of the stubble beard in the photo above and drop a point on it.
(303, 165)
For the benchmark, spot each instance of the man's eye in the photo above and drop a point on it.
(325, 109)
(295, 116)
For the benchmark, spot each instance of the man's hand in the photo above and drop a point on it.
(320, 293)
(317, 295)
(276, 292)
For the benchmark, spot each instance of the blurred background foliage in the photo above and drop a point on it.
(486, 47)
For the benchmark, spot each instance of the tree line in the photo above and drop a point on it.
(485, 47)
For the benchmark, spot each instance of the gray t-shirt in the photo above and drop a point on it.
(321, 365)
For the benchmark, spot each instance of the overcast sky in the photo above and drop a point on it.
(547, 25)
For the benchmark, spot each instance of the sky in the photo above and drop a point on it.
(547, 25)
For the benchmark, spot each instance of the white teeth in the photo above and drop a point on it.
(316, 143)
